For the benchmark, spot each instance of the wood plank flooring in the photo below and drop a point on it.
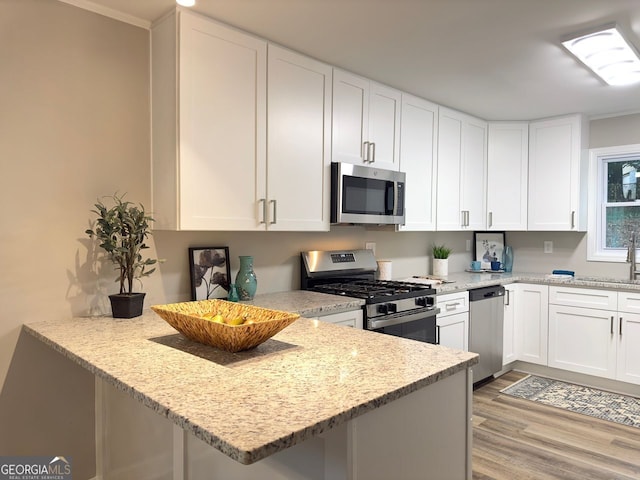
(517, 439)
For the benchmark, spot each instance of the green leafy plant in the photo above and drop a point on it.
(441, 251)
(122, 231)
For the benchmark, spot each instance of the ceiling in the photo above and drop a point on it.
(495, 59)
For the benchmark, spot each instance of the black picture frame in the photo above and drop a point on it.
(488, 247)
(210, 272)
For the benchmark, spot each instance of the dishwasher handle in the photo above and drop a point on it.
(486, 293)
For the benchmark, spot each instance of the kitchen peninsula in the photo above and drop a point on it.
(315, 401)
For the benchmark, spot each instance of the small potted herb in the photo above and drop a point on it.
(122, 230)
(441, 260)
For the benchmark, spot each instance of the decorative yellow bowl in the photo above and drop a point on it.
(186, 318)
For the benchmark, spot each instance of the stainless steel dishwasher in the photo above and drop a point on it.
(486, 318)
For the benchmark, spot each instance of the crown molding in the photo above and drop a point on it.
(109, 12)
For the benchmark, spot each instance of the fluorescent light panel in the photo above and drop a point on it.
(186, 3)
(608, 54)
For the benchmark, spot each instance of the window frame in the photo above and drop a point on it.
(598, 158)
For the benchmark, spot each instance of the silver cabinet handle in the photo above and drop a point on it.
(451, 306)
(573, 219)
(508, 299)
(263, 201)
(365, 151)
(611, 328)
(491, 219)
(437, 334)
(275, 218)
(373, 155)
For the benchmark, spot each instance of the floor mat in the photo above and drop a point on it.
(576, 398)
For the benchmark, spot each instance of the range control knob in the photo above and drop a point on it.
(383, 309)
(421, 301)
(392, 307)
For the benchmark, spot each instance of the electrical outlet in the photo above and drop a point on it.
(548, 246)
(370, 246)
(468, 245)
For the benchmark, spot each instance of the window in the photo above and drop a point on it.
(614, 202)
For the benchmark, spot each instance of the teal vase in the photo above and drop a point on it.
(246, 281)
(507, 259)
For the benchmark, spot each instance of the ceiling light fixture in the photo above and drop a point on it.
(608, 54)
(186, 3)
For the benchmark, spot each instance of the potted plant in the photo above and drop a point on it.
(122, 230)
(441, 260)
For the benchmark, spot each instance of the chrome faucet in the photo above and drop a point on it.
(631, 257)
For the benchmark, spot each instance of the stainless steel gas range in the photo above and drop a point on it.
(396, 308)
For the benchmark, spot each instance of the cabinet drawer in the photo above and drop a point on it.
(452, 303)
(584, 297)
(629, 302)
(351, 318)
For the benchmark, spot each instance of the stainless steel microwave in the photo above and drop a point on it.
(366, 195)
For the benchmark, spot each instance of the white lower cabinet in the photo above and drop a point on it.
(453, 320)
(582, 340)
(510, 339)
(351, 318)
(533, 322)
(600, 339)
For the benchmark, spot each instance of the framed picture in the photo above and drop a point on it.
(488, 247)
(210, 272)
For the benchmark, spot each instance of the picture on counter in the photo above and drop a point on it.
(488, 247)
(210, 272)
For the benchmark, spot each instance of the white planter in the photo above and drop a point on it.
(440, 267)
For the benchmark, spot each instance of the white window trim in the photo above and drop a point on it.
(595, 250)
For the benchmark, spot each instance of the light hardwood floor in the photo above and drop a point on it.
(516, 439)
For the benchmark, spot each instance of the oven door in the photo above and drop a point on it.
(416, 326)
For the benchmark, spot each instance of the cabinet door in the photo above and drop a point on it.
(449, 215)
(507, 164)
(462, 161)
(557, 174)
(418, 141)
(474, 173)
(533, 314)
(453, 331)
(222, 126)
(628, 365)
(511, 329)
(582, 340)
(350, 117)
(299, 100)
(384, 126)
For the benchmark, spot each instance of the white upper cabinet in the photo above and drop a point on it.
(558, 174)
(507, 164)
(462, 166)
(366, 122)
(418, 150)
(299, 144)
(213, 178)
(209, 131)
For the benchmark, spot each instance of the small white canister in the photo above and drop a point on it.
(384, 269)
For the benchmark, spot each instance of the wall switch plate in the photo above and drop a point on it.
(548, 246)
(370, 246)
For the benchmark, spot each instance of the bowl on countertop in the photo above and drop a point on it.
(261, 323)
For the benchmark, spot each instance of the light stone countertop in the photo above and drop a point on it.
(307, 303)
(308, 378)
(468, 281)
